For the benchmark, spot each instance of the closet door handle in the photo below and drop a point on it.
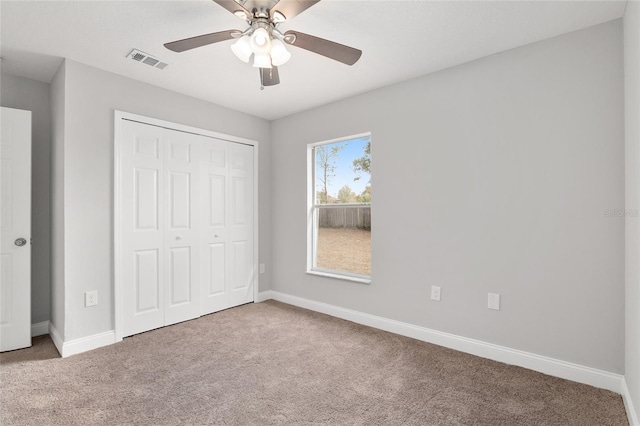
(179, 237)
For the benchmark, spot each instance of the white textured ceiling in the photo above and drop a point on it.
(399, 40)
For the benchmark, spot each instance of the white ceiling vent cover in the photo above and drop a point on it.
(145, 58)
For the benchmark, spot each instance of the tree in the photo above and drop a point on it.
(346, 195)
(321, 197)
(365, 197)
(363, 164)
(325, 167)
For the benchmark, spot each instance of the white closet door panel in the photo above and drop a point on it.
(180, 276)
(146, 192)
(239, 191)
(142, 221)
(216, 208)
(180, 199)
(182, 273)
(147, 144)
(215, 285)
(147, 281)
(216, 276)
(240, 241)
(213, 243)
(239, 256)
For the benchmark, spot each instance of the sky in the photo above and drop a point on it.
(344, 174)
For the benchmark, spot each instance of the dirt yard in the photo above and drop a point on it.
(345, 249)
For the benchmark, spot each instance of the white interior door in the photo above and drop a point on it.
(15, 227)
(241, 262)
(142, 224)
(228, 267)
(181, 237)
(214, 246)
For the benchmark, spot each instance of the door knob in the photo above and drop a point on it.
(179, 237)
(20, 242)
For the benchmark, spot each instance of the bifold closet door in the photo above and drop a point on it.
(241, 261)
(159, 227)
(181, 236)
(227, 225)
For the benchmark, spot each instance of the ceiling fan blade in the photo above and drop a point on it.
(233, 6)
(291, 8)
(201, 40)
(269, 76)
(339, 52)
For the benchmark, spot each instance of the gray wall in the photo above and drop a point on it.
(492, 176)
(22, 93)
(632, 185)
(57, 96)
(91, 96)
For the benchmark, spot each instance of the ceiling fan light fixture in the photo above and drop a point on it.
(242, 49)
(262, 61)
(260, 42)
(279, 53)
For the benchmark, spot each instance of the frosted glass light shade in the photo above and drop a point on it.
(279, 53)
(260, 42)
(262, 61)
(242, 49)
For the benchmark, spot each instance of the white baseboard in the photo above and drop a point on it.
(632, 414)
(553, 367)
(264, 295)
(83, 344)
(40, 328)
(88, 343)
(55, 336)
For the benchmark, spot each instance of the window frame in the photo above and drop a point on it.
(313, 210)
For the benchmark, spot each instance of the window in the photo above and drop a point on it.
(339, 214)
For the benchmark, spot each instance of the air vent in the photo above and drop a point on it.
(145, 58)
(150, 61)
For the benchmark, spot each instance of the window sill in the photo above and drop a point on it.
(356, 279)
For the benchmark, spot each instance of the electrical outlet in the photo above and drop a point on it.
(262, 268)
(494, 301)
(435, 293)
(90, 298)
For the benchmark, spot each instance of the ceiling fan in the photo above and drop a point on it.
(263, 41)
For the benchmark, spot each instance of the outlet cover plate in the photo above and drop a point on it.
(435, 293)
(90, 298)
(494, 301)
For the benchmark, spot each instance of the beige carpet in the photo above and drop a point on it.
(270, 363)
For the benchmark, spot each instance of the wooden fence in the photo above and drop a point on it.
(345, 217)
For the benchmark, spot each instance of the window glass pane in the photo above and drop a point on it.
(343, 248)
(343, 172)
